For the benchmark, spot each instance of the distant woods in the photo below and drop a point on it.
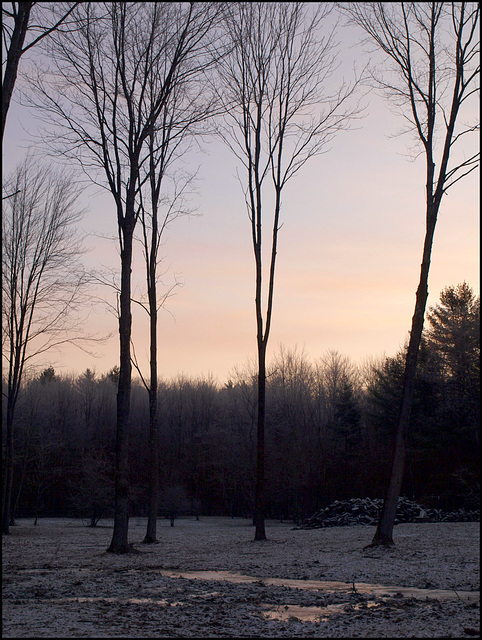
(330, 426)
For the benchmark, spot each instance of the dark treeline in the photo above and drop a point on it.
(329, 429)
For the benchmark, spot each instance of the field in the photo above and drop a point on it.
(209, 579)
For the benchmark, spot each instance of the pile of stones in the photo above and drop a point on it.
(366, 511)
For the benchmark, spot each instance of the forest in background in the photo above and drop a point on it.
(329, 432)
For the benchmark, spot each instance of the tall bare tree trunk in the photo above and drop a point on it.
(153, 503)
(8, 479)
(384, 531)
(14, 42)
(266, 86)
(260, 533)
(12, 395)
(119, 542)
(433, 82)
(13, 56)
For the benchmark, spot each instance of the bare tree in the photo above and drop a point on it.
(153, 227)
(163, 198)
(19, 19)
(433, 48)
(101, 97)
(282, 109)
(42, 279)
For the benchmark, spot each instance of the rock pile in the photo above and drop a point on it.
(366, 511)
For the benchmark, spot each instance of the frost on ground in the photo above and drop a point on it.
(209, 579)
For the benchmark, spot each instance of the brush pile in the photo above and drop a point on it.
(366, 511)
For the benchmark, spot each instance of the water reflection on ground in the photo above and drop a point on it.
(312, 614)
(369, 595)
(376, 590)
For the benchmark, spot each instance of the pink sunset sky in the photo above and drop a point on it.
(349, 254)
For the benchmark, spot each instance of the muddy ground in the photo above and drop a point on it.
(210, 579)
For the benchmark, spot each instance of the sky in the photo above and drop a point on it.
(348, 262)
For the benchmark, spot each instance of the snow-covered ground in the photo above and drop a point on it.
(210, 579)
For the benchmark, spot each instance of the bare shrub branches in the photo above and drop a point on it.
(43, 280)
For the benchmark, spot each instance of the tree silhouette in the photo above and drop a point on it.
(43, 281)
(279, 114)
(433, 50)
(17, 22)
(104, 101)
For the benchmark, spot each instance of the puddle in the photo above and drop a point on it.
(113, 600)
(287, 612)
(311, 614)
(376, 590)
